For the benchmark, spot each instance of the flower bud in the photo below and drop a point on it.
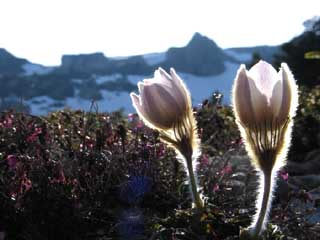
(163, 100)
(264, 103)
(263, 95)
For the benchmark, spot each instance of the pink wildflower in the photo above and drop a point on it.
(216, 187)
(12, 161)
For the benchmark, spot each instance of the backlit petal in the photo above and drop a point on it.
(162, 107)
(182, 93)
(163, 78)
(242, 97)
(265, 77)
(170, 86)
(276, 99)
(259, 102)
(137, 105)
(288, 76)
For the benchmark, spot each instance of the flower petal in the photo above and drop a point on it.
(136, 104)
(184, 94)
(290, 98)
(162, 77)
(265, 77)
(166, 81)
(140, 87)
(242, 97)
(276, 99)
(145, 104)
(162, 108)
(259, 103)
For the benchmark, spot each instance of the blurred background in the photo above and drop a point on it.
(66, 54)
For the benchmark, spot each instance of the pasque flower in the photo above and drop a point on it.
(163, 100)
(264, 103)
(164, 104)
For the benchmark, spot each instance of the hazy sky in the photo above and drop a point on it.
(43, 30)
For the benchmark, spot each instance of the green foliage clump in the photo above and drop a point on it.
(217, 127)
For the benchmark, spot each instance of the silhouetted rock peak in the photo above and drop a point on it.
(201, 56)
(4, 54)
(85, 57)
(9, 64)
(199, 40)
(84, 63)
(98, 63)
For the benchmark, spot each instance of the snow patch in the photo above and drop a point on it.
(77, 81)
(154, 58)
(108, 78)
(111, 101)
(30, 69)
(203, 87)
(241, 57)
(134, 79)
(41, 105)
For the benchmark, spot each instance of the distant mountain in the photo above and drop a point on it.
(84, 63)
(86, 77)
(97, 63)
(201, 56)
(9, 64)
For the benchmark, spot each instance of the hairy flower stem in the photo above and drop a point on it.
(263, 210)
(193, 183)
